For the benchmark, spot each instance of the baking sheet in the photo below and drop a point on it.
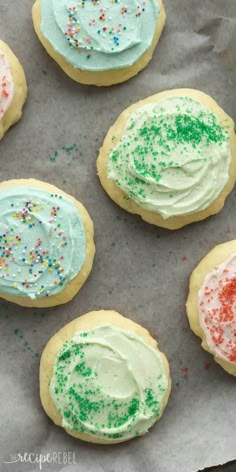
(140, 270)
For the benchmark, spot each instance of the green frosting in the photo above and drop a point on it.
(108, 383)
(98, 35)
(173, 157)
(42, 242)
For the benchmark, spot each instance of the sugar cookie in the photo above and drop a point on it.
(13, 89)
(170, 158)
(47, 246)
(211, 304)
(101, 42)
(103, 378)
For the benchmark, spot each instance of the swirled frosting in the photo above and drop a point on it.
(108, 383)
(173, 157)
(217, 310)
(42, 242)
(98, 35)
(6, 85)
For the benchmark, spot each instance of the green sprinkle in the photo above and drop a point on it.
(161, 135)
(81, 368)
(134, 406)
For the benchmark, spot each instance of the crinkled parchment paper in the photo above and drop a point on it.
(140, 270)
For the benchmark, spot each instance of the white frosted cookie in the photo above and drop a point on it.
(47, 248)
(13, 89)
(101, 42)
(170, 158)
(103, 378)
(211, 304)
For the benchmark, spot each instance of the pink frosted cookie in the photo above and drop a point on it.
(6, 85)
(211, 304)
(13, 88)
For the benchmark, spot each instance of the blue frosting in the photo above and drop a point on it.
(99, 35)
(42, 242)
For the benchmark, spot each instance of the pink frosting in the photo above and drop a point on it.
(6, 85)
(217, 310)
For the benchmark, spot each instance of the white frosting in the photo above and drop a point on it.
(217, 310)
(6, 85)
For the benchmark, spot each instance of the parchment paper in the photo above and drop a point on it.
(140, 270)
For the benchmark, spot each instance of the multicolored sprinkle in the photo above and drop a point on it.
(42, 242)
(100, 35)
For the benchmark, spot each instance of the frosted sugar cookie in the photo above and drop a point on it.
(47, 248)
(170, 158)
(101, 42)
(103, 378)
(211, 304)
(13, 89)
